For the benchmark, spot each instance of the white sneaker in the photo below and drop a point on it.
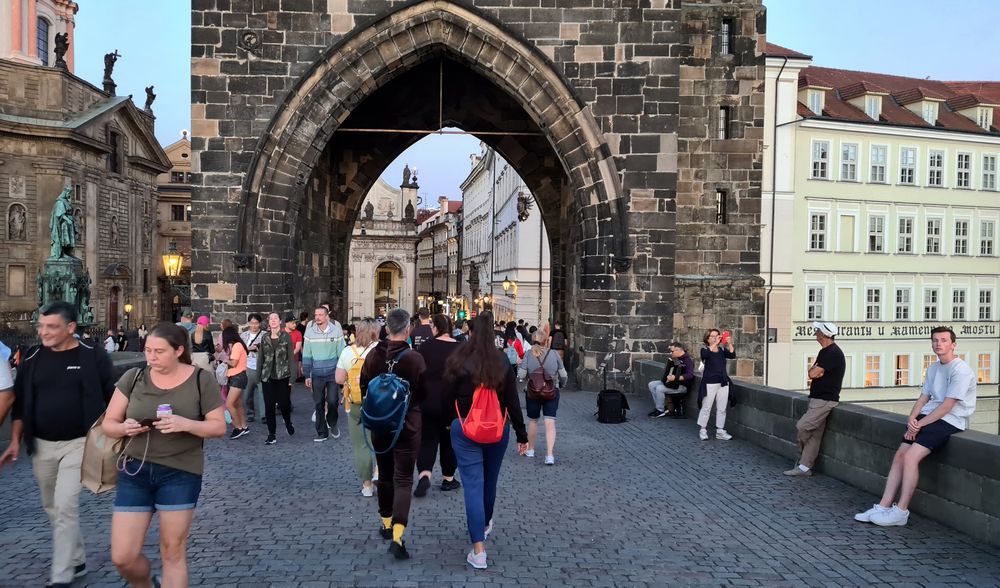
(893, 517)
(722, 435)
(368, 491)
(477, 560)
(703, 435)
(529, 453)
(866, 517)
(550, 460)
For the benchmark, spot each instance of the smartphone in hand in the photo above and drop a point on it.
(726, 335)
(148, 422)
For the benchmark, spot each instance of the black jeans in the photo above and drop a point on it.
(395, 469)
(277, 392)
(435, 433)
(326, 392)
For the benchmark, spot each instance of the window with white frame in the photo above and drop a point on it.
(902, 304)
(817, 231)
(726, 37)
(814, 302)
(879, 155)
(930, 112)
(958, 302)
(725, 122)
(873, 106)
(984, 368)
(930, 304)
(902, 370)
(816, 101)
(849, 162)
(904, 242)
(935, 168)
(987, 230)
(929, 360)
(962, 237)
(984, 117)
(820, 159)
(873, 371)
(989, 172)
(986, 305)
(908, 165)
(876, 234)
(933, 236)
(810, 360)
(963, 171)
(873, 304)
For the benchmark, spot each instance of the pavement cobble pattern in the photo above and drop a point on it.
(641, 503)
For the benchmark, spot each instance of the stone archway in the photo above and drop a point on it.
(293, 163)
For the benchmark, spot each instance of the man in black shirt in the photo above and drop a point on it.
(826, 376)
(61, 388)
(421, 332)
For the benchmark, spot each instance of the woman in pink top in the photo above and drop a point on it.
(233, 344)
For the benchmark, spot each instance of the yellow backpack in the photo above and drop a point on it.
(352, 388)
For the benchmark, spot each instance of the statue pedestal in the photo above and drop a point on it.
(67, 279)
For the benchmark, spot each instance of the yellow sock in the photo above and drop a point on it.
(397, 533)
(386, 522)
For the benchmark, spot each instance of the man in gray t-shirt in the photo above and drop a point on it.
(946, 403)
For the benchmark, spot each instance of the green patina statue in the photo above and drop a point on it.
(62, 226)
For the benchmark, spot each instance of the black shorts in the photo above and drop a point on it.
(934, 435)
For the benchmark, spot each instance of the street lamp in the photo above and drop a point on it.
(128, 311)
(172, 261)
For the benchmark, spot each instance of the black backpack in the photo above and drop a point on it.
(611, 407)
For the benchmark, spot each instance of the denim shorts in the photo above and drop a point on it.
(156, 487)
(239, 380)
(535, 408)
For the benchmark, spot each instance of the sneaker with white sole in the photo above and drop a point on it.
(335, 433)
(477, 560)
(550, 460)
(893, 517)
(368, 491)
(722, 435)
(529, 453)
(866, 517)
(703, 435)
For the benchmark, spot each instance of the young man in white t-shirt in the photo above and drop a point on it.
(945, 405)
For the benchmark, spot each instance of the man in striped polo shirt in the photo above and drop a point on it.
(322, 344)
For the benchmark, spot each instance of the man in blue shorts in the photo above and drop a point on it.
(943, 409)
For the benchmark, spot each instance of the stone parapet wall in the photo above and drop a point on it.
(959, 486)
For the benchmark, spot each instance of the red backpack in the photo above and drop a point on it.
(484, 423)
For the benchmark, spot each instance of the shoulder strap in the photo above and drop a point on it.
(138, 372)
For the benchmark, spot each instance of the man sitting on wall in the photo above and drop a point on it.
(943, 409)
(675, 383)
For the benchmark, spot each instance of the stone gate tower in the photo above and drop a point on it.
(637, 125)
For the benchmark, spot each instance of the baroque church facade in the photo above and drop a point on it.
(383, 251)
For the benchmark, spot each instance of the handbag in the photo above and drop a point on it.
(99, 468)
(220, 373)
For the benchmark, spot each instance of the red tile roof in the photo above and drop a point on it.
(454, 206)
(903, 90)
(772, 50)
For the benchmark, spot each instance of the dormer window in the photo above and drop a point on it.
(930, 112)
(984, 118)
(873, 107)
(815, 98)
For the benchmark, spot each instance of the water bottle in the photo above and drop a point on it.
(164, 410)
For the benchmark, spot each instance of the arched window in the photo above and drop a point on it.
(43, 41)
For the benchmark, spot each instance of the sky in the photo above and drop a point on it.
(953, 40)
(154, 39)
(442, 162)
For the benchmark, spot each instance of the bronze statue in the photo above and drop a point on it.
(150, 97)
(369, 211)
(62, 46)
(406, 175)
(62, 226)
(109, 63)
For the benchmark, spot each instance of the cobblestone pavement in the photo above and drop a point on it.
(642, 503)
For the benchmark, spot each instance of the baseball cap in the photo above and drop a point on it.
(203, 320)
(828, 329)
(188, 314)
(290, 318)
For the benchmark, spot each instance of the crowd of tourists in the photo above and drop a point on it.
(463, 399)
(415, 391)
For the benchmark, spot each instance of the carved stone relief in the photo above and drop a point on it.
(16, 187)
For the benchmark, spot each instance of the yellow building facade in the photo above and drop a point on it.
(882, 216)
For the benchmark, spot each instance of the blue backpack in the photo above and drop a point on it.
(383, 409)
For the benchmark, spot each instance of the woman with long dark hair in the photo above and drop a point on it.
(276, 353)
(436, 415)
(236, 349)
(174, 406)
(479, 364)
